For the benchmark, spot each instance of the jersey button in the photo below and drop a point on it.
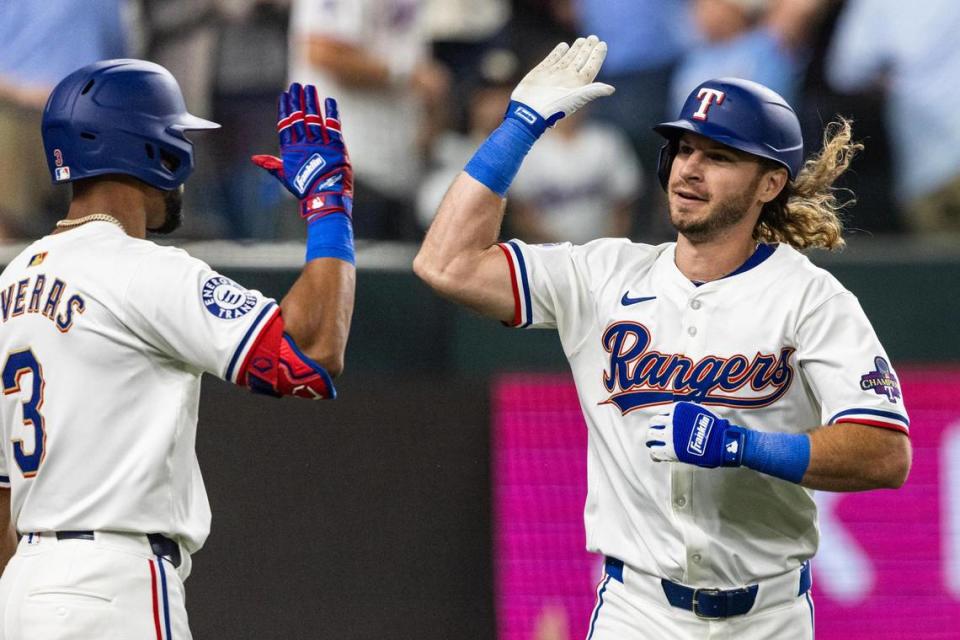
(681, 501)
(696, 558)
(692, 331)
(695, 304)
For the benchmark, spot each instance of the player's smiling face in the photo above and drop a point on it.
(714, 187)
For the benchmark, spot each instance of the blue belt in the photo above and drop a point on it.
(159, 543)
(711, 604)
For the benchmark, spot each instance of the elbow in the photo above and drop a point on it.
(327, 356)
(331, 362)
(898, 463)
(334, 367)
(429, 272)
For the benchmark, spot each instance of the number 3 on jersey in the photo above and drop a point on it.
(18, 363)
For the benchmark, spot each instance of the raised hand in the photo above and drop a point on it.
(564, 81)
(314, 165)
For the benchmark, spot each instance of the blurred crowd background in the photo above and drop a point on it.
(421, 82)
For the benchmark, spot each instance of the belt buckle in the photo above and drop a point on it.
(696, 609)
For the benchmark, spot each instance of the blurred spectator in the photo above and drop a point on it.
(452, 150)
(181, 35)
(372, 56)
(908, 50)
(876, 209)
(760, 40)
(207, 45)
(578, 183)
(463, 31)
(250, 201)
(645, 38)
(40, 44)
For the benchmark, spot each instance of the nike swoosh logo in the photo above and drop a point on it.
(626, 300)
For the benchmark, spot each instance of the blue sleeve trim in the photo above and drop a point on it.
(4, 479)
(327, 380)
(524, 284)
(246, 338)
(872, 412)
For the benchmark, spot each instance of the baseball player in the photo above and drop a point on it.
(105, 336)
(722, 376)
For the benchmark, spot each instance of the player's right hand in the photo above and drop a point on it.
(563, 82)
(314, 165)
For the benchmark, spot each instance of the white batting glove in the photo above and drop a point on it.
(659, 438)
(563, 82)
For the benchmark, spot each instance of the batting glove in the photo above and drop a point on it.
(314, 165)
(690, 433)
(561, 84)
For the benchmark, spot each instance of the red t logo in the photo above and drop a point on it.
(707, 97)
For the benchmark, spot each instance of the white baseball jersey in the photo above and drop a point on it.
(381, 123)
(779, 345)
(103, 343)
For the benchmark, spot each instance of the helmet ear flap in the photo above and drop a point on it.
(664, 161)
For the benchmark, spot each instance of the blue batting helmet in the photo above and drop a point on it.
(120, 116)
(741, 114)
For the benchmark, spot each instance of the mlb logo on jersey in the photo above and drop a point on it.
(62, 173)
(700, 434)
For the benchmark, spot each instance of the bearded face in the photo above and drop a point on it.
(712, 188)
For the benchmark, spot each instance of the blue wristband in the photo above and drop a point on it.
(782, 455)
(330, 236)
(496, 162)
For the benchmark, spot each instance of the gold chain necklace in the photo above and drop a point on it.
(93, 217)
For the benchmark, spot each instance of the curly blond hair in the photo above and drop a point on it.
(807, 213)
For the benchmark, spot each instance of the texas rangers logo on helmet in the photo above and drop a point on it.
(225, 299)
(707, 97)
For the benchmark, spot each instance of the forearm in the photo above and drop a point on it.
(841, 457)
(466, 225)
(854, 457)
(318, 309)
(350, 65)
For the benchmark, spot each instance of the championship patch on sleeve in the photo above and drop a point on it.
(881, 381)
(226, 299)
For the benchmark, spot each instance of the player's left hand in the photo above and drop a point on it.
(691, 433)
(315, 166)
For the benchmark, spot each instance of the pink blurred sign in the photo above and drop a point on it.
(889, 561)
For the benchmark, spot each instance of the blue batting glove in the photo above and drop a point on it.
(314, 165)
(690, 433)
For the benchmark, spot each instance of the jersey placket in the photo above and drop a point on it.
(683, 477)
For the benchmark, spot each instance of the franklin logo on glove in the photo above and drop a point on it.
(700, 435)
(308, 172)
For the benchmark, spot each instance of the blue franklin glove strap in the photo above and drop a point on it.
(706, 440)
(496, 162)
